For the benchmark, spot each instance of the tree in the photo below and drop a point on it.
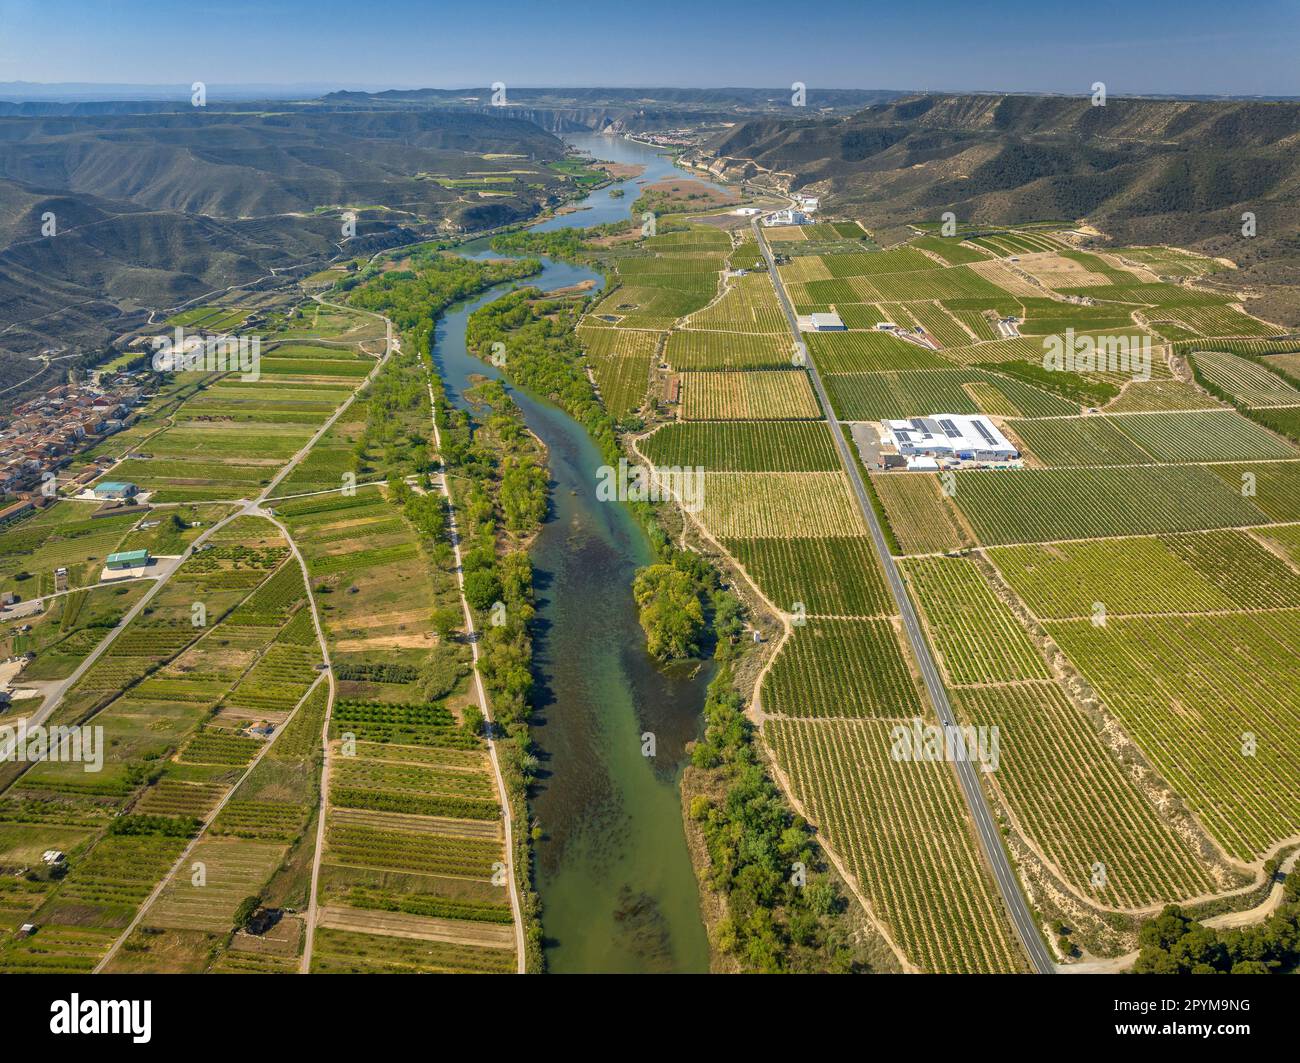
(671, 613)
(446, 622)
(482, 588)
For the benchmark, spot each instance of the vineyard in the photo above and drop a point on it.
(697, 349)
(743, 446)
(865, 352)
(920, 872)
(1234, 676)
(830, 576)
(975, 636)
(747, 305)
(920, 393)
(775, 394)
(1042, 505)
(1212, 435)
(1071, 795)
(620, 361)
(1204, 572)
(838, 669)
(918, 513)
(780, 505)
(1245, 380)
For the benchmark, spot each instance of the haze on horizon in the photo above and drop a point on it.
(1193, 47)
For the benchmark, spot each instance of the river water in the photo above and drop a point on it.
(613, 872)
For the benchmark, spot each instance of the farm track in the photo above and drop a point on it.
(208, 820)
(987, 831)
(757, 715)
(484, 705)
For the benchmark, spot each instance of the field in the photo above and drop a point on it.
(841, 669)
(1208, 436)
(1070, 441)
(1068, 791)
(1232, 678)
(747, 305)
(1040, 505)
(920, 393)
(864, 352)
(1245, 380)
(697, 349)
(921, 518)
(780, 505)
(775, 394)
(829, 576)
(620, 361)
(901, 828)
(976, 638)
(744, 446)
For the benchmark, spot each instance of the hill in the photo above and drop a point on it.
(152, 210)
(1142, 171)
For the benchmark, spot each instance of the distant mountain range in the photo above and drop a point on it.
(157, 203)
(157, 209)
(1141, 170)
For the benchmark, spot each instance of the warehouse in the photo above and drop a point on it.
(128, 559)
(950, 435)
(115, 489)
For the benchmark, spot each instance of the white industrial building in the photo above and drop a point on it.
(820, 322)
(788, 216)
(966, 437)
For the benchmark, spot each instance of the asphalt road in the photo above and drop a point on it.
(990, 839)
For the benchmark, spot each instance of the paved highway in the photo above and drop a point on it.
(967, 772)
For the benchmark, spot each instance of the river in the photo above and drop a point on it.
(613, 872)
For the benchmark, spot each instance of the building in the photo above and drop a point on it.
(115, 489)
(128, 559)
(950, 435)
(788, 216)
(829, 322)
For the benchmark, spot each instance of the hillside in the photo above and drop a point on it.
(153, 210)
(1141, 171)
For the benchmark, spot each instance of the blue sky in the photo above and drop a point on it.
(1191, 46)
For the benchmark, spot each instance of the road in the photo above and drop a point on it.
(989, 837)
(208, 820)
(246, 507)
(483, 703)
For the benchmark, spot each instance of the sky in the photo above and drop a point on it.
(1249, 47)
